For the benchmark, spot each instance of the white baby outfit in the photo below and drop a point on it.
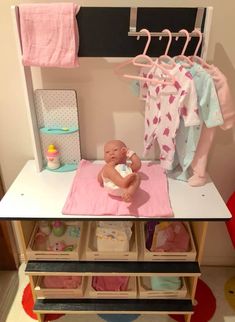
(165, 105)
(111, 187)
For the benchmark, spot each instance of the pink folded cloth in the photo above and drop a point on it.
(70, 282)
(87, 197)
(173, 238)
(110, 283)
(49, 34)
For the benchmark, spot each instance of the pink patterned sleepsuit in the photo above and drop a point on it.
(165, 105)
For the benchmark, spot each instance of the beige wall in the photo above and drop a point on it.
(122, 114)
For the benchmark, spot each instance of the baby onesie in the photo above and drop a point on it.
(199, 163)
(165, 105)
(210, 113)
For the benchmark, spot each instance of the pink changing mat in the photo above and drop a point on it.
(87, 197)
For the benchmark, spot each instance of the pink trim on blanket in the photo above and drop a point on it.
(87, 197)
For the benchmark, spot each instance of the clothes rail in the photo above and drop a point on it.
(133, 21)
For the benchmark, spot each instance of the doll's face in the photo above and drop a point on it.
(115, 152)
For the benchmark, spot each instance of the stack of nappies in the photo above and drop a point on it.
(113, 236)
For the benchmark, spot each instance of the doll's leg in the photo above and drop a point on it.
(129, 192)
(199, 163)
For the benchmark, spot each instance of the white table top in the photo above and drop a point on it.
(41, 195)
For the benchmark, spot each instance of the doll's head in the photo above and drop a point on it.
(115, 152)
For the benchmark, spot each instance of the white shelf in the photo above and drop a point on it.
(43, 194)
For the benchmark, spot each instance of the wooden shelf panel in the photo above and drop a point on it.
(88, 267)
(113, 306)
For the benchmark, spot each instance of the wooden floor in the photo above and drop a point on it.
(8, 288)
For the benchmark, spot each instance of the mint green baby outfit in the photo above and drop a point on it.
(209, 112)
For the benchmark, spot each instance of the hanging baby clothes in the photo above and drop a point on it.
(165, 105)
(199, 163)
(210, 114)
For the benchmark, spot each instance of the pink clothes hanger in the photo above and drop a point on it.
(182, 57)
(195, 58)
(165, 60)
(168, 80)
(143, 55)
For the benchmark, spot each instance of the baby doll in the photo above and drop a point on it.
(118, 176)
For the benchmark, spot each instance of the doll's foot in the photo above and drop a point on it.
(126, 196)
(197, 181)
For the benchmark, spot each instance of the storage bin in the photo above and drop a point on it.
(52, 293)
(68, 238)
(131, 291)
(147, 255)
(145, 290)
(92, 254)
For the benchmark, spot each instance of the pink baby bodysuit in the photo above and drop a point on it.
(199, 163)
(165, 105)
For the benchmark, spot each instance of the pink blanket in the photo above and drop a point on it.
(87, 197)
(49, 34)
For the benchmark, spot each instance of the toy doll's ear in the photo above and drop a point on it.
(124, 150)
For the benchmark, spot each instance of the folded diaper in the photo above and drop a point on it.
(113, 236)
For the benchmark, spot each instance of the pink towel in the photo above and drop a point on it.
(87, 197)
(49, 34)
(110, 283)
(62, 281)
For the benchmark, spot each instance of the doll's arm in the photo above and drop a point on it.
(99, 177)
(112, 174)
(135, 160)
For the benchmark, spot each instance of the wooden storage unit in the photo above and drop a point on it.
(202, 210)
(167, 256)
(55, 293)
(145, 290)
(74, 254)
(36, 196)
(130, 293)
(94, 255)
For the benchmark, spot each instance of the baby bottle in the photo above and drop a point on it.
(52, 156)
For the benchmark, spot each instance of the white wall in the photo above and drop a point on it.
(108, 109)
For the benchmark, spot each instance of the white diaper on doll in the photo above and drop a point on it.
(111, 187)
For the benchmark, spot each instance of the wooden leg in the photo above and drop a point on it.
(40, 317)
(187, 317)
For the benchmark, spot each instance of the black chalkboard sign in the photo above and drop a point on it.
(103, 31)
